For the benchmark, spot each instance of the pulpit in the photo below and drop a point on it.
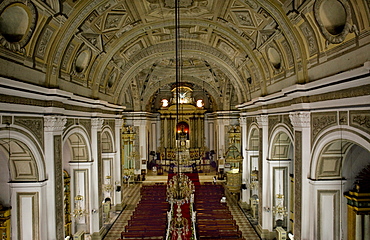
(234, 159)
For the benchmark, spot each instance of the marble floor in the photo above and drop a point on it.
(131, 196)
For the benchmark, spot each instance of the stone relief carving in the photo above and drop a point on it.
(321, 121)
(59, 187)
(360, 120)
(44, 41)
(343, 117)
(6, 119)
(54, 123)
(244, 18)
(262, 120)
(273, 121)
(297, 184)
(300, 119)
(87, 124)
(164, 8)
(70, 31)
(27, 19)
(67, 56)
(34, 125)
(333, 33)
(310, 38)
(288, 52)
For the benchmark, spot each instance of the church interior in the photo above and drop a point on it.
(185, 119)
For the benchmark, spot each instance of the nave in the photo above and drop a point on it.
(131, 197)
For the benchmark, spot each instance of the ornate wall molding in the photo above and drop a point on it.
(54, 123)
(360, 120)
(300, 119)
(33, 124)
(297, 184)
(321, 121)
(59, 186)
(272, 122)
(97, 123)
(262, 120)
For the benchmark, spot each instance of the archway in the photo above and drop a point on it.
(77, 164)
(337, 160)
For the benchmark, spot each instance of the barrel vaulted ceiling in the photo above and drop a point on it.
(232, 51)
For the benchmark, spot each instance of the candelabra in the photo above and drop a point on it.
(79, 211)
(280, 210)
(108, 187)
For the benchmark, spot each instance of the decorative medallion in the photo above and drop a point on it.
(17, 24)
(333, 18)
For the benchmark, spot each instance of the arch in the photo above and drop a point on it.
(107, 140)
(281, 144)
(32, 155)
(253, 138)
(73, 146)
(346, 136)
(212, 55)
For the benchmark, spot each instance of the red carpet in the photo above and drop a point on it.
(185, 208)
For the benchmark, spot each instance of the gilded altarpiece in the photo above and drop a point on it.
(184, 132)
(129, 152)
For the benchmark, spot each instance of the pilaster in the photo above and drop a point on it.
(143, 146)
(265, 219)
(53, 128)
(96, 178)
(117, 175)
(246, 171)
(303, 222)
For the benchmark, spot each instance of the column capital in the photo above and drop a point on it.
(243, 120)
(97, 123)
(54, 123)
(119, 122)
(262, 121)
(300, 119)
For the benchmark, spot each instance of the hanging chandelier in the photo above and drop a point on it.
(108, 187)
(179, 189)
(279, 209)
(254, 179)
(79, 211)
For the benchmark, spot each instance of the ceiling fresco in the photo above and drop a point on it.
(231, 51)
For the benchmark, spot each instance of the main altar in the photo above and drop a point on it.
(182, 130)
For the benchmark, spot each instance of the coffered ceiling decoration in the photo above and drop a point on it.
(232, 51)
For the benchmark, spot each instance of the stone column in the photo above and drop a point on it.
(366, 225)
(220, 141)
(143, 146)
(303, 221)
(96, 178)
(246, 171)
(53, 128)
(117, 174)
(358, 227)
(265, 215)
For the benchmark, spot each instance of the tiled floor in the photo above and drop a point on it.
(131, 196)
(245, 227)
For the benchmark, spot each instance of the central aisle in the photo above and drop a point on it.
(185, 208)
